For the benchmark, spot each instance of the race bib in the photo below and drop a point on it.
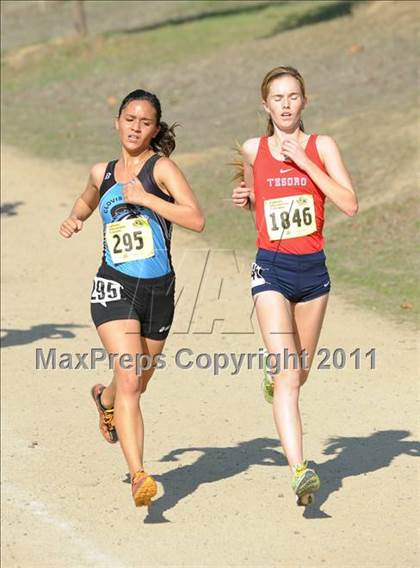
(290, 217)
(104, 291)
(131, 239)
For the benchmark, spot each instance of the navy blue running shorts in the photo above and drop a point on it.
(298, 277)
(118, 296)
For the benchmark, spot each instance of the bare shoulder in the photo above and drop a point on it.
(165, 165)
(326, 146)
(97, 173)
(250, 148)
(165, 172)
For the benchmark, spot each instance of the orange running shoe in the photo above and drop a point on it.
(106, 416)
(143, 488)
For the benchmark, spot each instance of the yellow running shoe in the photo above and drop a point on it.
(304, 483)
(268, 383)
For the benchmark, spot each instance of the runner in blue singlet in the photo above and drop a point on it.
(139, 196)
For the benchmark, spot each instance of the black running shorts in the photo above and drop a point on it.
(117, 296)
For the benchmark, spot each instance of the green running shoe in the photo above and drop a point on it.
(268, 383)
(304, 483)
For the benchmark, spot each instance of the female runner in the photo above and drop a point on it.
(139, 195)
(287, 175)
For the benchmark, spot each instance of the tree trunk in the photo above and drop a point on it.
(80, 18)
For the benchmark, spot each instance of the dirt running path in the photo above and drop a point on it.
(224, 498)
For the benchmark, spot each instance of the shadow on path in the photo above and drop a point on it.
(357, 456)
(353, 456)
(42, 331)
(213, 465)
(8, 209)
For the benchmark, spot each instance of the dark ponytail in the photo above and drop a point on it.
(164, 141)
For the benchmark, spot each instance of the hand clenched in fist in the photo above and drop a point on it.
(241, 195)
(69, 226)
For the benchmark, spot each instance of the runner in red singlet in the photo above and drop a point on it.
(287, 176)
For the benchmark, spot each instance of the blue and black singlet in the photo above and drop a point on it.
(136, 240)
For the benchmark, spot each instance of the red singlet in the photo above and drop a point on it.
(289, 206)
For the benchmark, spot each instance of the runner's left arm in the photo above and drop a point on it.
(185, 211)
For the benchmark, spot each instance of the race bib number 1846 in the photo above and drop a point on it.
(290, 217)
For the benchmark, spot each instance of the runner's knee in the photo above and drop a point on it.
(128, 383)
(289, 379)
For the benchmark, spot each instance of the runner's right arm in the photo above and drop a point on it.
(85, 204)
(243, 196)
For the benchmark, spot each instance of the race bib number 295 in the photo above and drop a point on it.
(131, 239)
(105, 291)
(290, 217)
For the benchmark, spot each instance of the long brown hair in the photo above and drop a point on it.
(275, 73)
